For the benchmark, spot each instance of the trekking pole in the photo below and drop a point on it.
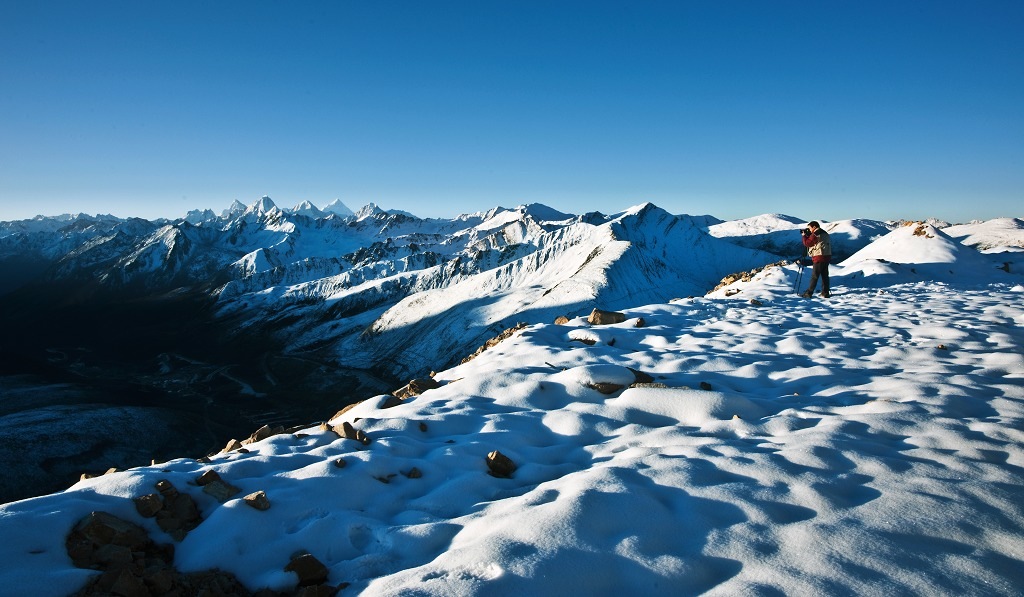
(799, 274)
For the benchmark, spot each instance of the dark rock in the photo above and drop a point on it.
(500, 465)
(391, 402)
(605, 387)
(208, 477)
(309, 570)
(640, 322)
(166, 489)
(258, 500)
(148, 505)
(350, 432)
(705, 385)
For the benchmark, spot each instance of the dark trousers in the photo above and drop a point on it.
(819, 269)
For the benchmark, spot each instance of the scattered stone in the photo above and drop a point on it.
(166, 489)
(232, 445)
(263, 433)
(587, 341)
(413, 473)
(88, 542)
(500, 465)
(258, 500)
(599, 317)
(148, 505)
(340, 463)
(745, 277)
(605, 387)
(208, 477)
(423, 427)
(133, 565)
(385, 479)
(705, 385)
(561, 320)
(640, 322)
(415, 387)
(942, 347)
(309, 570)
(649, 385)
(350, 432)
(756, 303)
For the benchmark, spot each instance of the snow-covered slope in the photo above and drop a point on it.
(991, 235)
(434, 307)
(869, 444)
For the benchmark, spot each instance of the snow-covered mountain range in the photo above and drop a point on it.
(263, 314)
(742, 442)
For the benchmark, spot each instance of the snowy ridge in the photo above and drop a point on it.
(993, 234)
(867, 444)
(779, 234)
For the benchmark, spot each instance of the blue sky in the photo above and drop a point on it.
(822, 110)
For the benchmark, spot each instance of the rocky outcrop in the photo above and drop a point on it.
(132, 565)
(494, 341)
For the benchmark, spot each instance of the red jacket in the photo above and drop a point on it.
(819, 246)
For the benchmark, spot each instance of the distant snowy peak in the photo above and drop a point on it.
(261, 206)
(762, 224)
(543, 213)
(368, 211)
(308, 209)
(198, 216)
(338, 208)
(236, 208)
(1000, 232)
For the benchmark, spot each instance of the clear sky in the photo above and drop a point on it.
(825, 109)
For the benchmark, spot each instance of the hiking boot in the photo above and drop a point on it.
(807, 294)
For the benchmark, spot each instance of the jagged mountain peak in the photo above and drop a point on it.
(262, 206)
(339, 208)
(306, 208)
(543, 213)
(236, 208)
(369, 210)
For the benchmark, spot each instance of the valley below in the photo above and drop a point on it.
(89, 386)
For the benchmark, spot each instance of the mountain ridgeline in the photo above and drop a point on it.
(259, 315)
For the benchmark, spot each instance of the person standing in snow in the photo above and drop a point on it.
(819, 249)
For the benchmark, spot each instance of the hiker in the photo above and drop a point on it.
(819, 249)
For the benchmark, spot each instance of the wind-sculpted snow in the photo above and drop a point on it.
(866, 444)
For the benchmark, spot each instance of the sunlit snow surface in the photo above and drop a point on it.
(871, 443)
